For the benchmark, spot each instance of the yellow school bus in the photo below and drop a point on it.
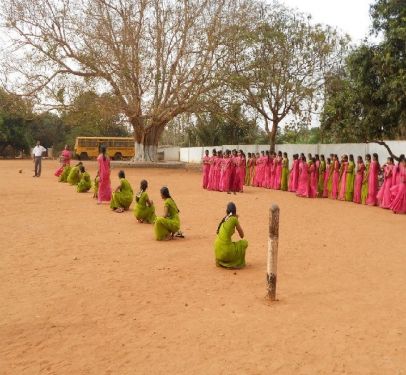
(117, 147)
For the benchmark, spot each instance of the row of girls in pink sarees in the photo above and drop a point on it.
(269, 170)
(308, 178)
(224, 173)
(64, 159)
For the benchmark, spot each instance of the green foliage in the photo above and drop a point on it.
(93, 115)
(305, 135)
(367, 99)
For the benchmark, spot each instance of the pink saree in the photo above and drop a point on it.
(372, 183)
(302, 188)
(206, 170)
(65, 160)
(398, 205)
(104, 193)
(293, 176)
(384, 197)
(358, 182)
(343, 181)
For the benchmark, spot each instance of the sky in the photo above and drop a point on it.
(349, 16)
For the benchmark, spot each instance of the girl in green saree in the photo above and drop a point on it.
(230, 254)
(322, 173)
(74, 174)
(364, 189)
(96, 185)
(144, 209)
(349, 189)
(64, 176)
(167, 226)
(122, 196)
(285, 172)
(85, 183)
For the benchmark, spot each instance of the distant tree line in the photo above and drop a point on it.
(196, 72)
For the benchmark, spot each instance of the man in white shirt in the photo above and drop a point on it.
(37, 152)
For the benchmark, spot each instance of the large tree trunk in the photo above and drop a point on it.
(272, 135)
(146, 142)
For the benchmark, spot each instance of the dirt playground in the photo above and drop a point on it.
(84, 290)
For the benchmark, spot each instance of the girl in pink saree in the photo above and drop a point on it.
(303, 185)
(277, 178)
(373, 181)
(64, 158)
(104, 193)
(398, 205)
(343, 178)
(206, 161)
(358, 180)
(294, 174)
(336, 178)
(384, 197)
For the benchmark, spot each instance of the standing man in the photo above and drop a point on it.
(37, 152)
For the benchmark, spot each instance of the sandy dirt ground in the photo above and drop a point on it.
(84, 290)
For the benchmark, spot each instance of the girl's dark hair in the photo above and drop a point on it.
(328, 161)
(143, 185)
(375, 156)
(402, 158)
(359, 158)
(285, 154)
(351, 157)
(165, 192)
(368, 156)
(103, 151)
(391, 159)
(322, 158)
(121, 174)
(82, 169)
(230, 210)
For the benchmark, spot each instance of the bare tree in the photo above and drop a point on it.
(279, 65)
(158, 57)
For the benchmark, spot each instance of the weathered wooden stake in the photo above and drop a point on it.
(272, 251)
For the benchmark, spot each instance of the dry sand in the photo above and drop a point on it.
(84, 290)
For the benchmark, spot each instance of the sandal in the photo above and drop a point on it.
(179, 234)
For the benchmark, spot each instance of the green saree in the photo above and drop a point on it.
(74, 176)
(85, 183)
(123, 197)
(320, 185)
(285, 174)
(142, 211)
(165, 226)
(364, 189)
(64, 176)
(229, 254)
(349, 188)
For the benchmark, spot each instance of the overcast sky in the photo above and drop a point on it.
(350, 16)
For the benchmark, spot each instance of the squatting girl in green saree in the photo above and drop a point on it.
(144, 209)
(74, 174)
(123, 195)
(168, 226)
(85, 183)
(230, 254)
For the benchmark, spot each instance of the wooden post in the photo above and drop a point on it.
(272, 251)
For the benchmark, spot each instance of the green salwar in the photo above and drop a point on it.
(349, 188)
(364, 189)
(74, 176)
(320, 185)
(96, 187)
(124, 197)
(142, 211)
(164, 226)
(85, 184)
(285, 175)
(64, 176)
(229, 254)
(247, 181)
